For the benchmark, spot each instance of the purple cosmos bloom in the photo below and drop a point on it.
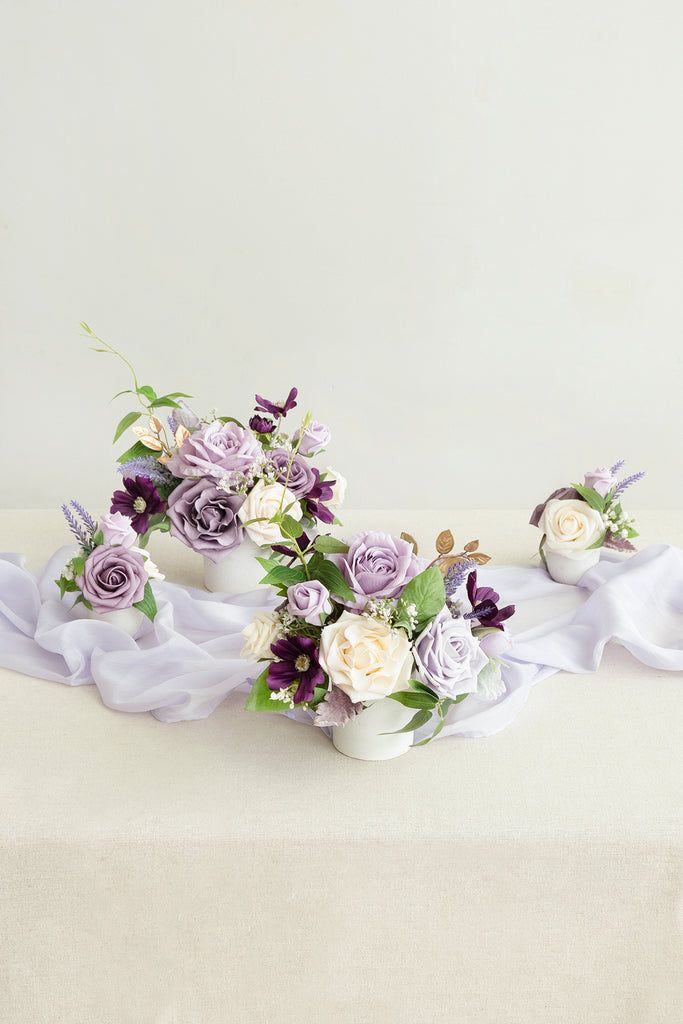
(261, 424)
(298, 664)
(484, 601)
(303, 540)
(318, 494)
(139, 501)
(277, 408)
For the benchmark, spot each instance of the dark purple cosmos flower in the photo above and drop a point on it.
(298, 664)
(277, 408)
(303, 540)
(139, 501)
(315, 498)
(484, 601)
(261, 424)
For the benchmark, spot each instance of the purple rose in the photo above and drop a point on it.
(376, 565)
(216, 450)
(309, 601)
(205, 518)
(301, 475)
(601, 480)
(448, 658)
(113, 578)
(313, 438)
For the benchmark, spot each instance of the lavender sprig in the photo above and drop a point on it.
(626, 482)
(617, 467)
(456, 576)
(147, 466)
(88, 520)
(75, 526)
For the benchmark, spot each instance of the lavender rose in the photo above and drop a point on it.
(448, 658)
(113, 578)
(205, 518)
(376, 565)
(601, 480)
(216, 450)
(301, 475)
(314, 438)
(116, 529)
(309, 601)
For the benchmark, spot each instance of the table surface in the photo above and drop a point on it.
(593, 755)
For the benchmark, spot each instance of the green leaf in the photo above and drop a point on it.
(98, 538)
(330, 545)
(177, 394)
(598, 543)
(439, 726)
(422, 688)
(147, 392)
(136, 451)
(541, 554)
(81, 600)
(165, 402)
(414, 699)
(119, 393)
(259, 696)
(230, 419)
(426, 592)
(591, 497)
(328, 573)
(416, 722)
(290, 528)
(66, 586)
(148, 605)
(78, 564)
(127, 421)
(283, 576)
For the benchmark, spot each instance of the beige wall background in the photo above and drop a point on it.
(456, 226)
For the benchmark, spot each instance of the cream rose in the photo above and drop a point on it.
(364, 657)
(570, 526)
(262, 631)
(338, 487)
(263, 502)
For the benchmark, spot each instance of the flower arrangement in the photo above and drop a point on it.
(110, 572)
(368, 621)
(210, 481)
(585, 517)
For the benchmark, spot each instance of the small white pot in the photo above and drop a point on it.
(130, 620)
(362, 737)
(237, 573)
(570, 570)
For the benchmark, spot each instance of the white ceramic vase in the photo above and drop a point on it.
(564, 569)
(237, 573)
(130, 620)
(362, 737)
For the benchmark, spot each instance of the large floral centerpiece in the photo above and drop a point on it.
(369, 623)
(576, 521)
(110, 573)
(215, 483)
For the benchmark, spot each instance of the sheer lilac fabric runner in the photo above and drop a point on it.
(186, 662)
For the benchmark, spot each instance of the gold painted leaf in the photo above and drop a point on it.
(411, 540)
(446, 563)
(444, 542)
(472, 546)
(151, 442)
(155, 424)
(479, 558)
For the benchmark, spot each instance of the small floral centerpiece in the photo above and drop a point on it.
(578, 520)
(221, 487)
(110, 573)
(373, 641)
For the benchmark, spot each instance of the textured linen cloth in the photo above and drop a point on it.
(238, 868)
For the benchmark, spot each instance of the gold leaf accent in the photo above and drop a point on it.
(479, 558)
(151, 442)
(446, 563)
(411, 540)
(155, 424)
(472, 546)
(444, 542)
(181, 435)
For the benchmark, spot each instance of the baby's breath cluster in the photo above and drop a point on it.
(617, 522)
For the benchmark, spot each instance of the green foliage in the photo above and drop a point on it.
(127, 421)
(259, 696)
(66, 586)
(415, 698)
(426, 592)
(148, 605)
(330, 545)
(282, 576)
(289, 527)
(419, 719)
(136, 451)
(591, 497)
(326, 572)
(230, 419)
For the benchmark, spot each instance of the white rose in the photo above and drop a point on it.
(262, 631)
(263, 502)
(570, 526)
(338, 487)
(364, 657)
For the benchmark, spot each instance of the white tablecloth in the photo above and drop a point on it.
(239, 869)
